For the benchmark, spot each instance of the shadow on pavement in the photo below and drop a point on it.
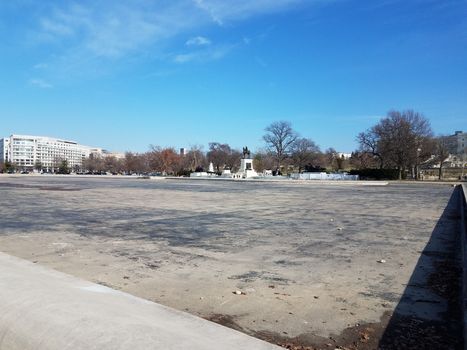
(429, 315)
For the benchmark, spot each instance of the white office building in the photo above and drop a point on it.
(30, 152)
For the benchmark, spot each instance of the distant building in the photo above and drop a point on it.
(182, 151)
(29, 152)
(457, 148)
(344, 155)
(117, 155)
(5, 154)
(457, 143)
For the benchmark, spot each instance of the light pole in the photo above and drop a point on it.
(417, 175)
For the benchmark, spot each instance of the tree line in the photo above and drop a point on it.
(401, 142)
(284, 151)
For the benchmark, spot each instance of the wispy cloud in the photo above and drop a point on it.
(185, 57)
(206, 55)
(84, 37)
(111, 29)
(40, 66)
(55, 27)
(222, 11)
(198, 41)
(40, 83)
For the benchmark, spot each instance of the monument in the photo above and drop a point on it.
(246, 169)
(246, 166)
(211, 168)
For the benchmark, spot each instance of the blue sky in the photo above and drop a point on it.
(126, 74)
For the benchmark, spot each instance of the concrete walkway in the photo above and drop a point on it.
(46, 309)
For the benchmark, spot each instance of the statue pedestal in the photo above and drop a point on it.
(246, 168)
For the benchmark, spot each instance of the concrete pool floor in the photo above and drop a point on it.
(307, 258)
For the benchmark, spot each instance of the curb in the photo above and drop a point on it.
(44, 309)
(463, 233)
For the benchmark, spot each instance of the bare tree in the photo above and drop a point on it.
(402, 140)
(364, 160)
(305, 153)
(263, 160)
(154, 159)
(219, 154)
(334, 160)
(111, 164)
(136, 163)
(194, 159)
(405, 139)
(94, 163)
(279, 139)
(170, 161)
(233, 161)
(368, 141)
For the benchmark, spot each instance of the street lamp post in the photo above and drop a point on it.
(417, 174)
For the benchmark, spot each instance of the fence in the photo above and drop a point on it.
(324, 176)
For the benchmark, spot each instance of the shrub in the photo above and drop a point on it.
(376, 174)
